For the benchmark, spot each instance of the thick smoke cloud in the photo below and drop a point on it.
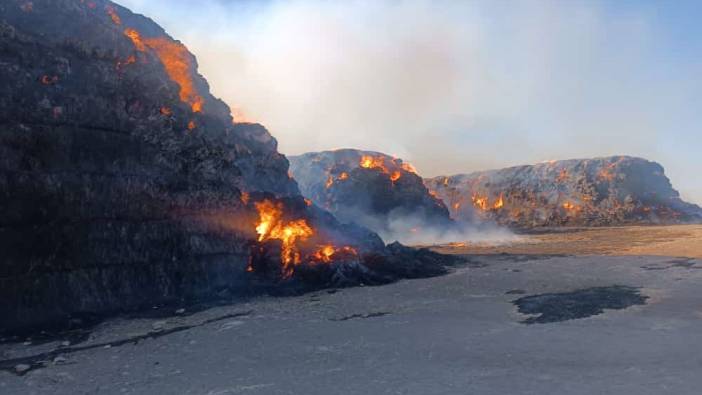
(454, 86)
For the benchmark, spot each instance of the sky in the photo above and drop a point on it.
(454, 87)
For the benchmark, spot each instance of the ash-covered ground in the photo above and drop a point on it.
(637, 331)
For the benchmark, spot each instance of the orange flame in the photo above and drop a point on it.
(371, 162)
(191, 125)
(46, 80)
(240, 116)
(271, 225)
(166, 111)
(330, 182)
(395, 176)
(326, 252)
(177, 62)
(570, 206)
(344, 175)
(136, 39)
(499, 203)
(480, 202)
(245, 197)
(378, 162)
(113, 14)
(120, 64)
(408, 167)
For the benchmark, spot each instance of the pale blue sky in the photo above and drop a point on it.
(459, 86)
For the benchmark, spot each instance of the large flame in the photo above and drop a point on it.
(373, 162)
(177, 62)
(392, 169)
(271, 225)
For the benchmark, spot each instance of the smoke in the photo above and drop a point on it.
(418, 229)
(455, 86)
(415, 231)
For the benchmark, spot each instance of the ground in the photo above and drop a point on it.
(679, 240)
(596, 324)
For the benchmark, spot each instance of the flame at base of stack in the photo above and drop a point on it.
(299, 242)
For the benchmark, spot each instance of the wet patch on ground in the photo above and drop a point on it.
(22, 366)
(361, 316)
(685, 263)
(519, 258)
(556, 307)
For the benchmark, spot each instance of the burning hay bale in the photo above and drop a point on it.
(372, 189)
(125, 184)
(590, 192)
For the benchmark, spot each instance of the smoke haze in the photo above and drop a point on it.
(458, 86)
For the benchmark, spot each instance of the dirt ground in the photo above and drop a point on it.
(502, 324)
(675, 241)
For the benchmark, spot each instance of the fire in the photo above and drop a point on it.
(456, 206)
(326, 252)
(606, 174)
(446, 181)
(408, 167)
(136, 39)
(343, 176)
(570, 206)
(330, 182)
(166, 111)
(395, 176)
(562, 176)
(120, 64)
(499, 203)
(271, 225)
(177, 62)
(480, 202)
(378, 162)
(245, 197)
(113, 14)
(240, 116)
(191, 125)
(371, 162)
(46, 80)
(308, 202)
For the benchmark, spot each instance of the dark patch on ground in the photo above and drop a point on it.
(76, 328)
(685, 263)
(517, 258)
(356, 316)
(38, 361)
(556, 307)
(515, 292)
